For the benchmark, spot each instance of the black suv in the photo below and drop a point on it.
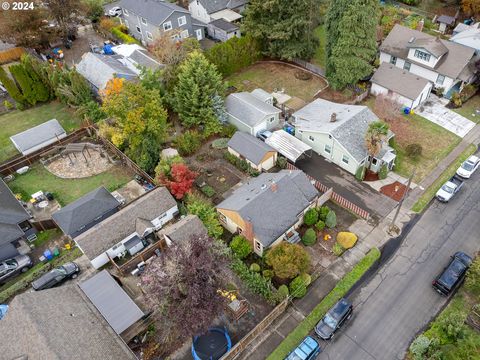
(334, 319)
(453, 274)
(56, 276)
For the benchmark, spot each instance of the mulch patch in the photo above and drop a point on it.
(370, 176)
(394, 191)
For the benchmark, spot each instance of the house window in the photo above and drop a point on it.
(222, 218)
(184, 34)
(393, 60)
(422, 55)
(167, 26)
(406, 66)
(311, 138)
(138, 29)
(345, 159)
(374, 161)
(149, 35)
(125, 12)
(258, 246)
(271, 119)
(440, 79)
(144, 21)
(182, 21)
(328, 149)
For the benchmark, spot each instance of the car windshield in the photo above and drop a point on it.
(330, 321)
(448, 189)
(467, 166)
(59, 271)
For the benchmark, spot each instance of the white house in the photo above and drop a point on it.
(337, 132)
(210, 10)
(448, 65)
(126, 230)
(468, 36)
(252, 112)
(402, 86)
(38, 137)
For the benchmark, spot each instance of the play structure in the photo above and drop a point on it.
(212, 345)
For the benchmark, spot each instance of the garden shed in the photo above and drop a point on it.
(259, 155)
(38, 137)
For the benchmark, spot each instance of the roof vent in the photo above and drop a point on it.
(412, 39)
(263, 187)
(333, 117)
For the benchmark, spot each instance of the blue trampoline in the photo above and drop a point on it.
(212, 345)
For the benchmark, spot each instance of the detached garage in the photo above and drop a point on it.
(404, 87)
(38, 137)
(259, 155)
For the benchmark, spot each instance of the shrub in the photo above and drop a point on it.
(311, 217)
(468, 91)
(456, 100)
(307, 279)
(283, 292)
(331, 219)
(337, 249)
(472, 281)
(207, 214)
(120, 35)
(228, 130)
(298, 288)
(288, 260)
(220, 144)
(309, 238)
(268, 274)
(255, 267)
(347, 239)
(253, 281)
(320, 225)
(208, 191)
(360, 173)
(453, 324)
(164, 166)
(323, 212)
(419, 347)
(188, 142)
(282, 162)
(240, 164)
(382, 174)
(241, 247)
(414, 150)
(440, 91)
(11, 87)
(8, 105)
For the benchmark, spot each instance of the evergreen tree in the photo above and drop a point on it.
(24, 82)
(353, 45)
(196, 94)
(334, 14)
(11, 87)
(283, 27)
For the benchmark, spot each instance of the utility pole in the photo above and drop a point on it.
(394, 228)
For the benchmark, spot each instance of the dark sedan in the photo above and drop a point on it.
(56, 276)
(453, 274)
(334, 319)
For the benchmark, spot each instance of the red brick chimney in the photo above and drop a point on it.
(248, 231)
(420, 25)
(274, 186)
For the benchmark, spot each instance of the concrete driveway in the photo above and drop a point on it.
(347, 186)
(435, 111)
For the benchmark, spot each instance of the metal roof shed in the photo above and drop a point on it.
(38, 137)
(287, 145)
(111, 301)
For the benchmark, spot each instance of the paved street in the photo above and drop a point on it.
(399, 301)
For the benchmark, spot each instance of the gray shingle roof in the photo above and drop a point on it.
(84, 210)
(184, 229)
(98, 69)
(142, 58)
(248, 108)
(349, 128)
(117, 227)
(400, 81)
(154, 11)
(445, 19)
(47, 131)
(57, 324)
(224, 25)
(272, 213)
(213, 6)
(11, 214)
(432, 45)
(249, 146)
(451, 64)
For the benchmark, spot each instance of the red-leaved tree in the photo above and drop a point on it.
(180, 180)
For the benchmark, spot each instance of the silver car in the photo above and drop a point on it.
(14, 266)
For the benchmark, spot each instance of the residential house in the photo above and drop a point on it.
(448, 65)
(15, 226)
(337, 132)
(469, 37)
(130, 229)
(84, 213)
(461, 27)
(136, 57)
(183, 230)
(150, 19)
(209, 10)
(223, 30)
(99, 69)
(445, 22)
(64, 323)
(38, 137)
(252, 112)
(403, 87)
(255, 152)
(269, 208)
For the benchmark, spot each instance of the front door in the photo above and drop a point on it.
(198, 34)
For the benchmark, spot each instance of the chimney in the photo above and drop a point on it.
(248, 231)
(420, 25)
(274, 186)
(333, 117)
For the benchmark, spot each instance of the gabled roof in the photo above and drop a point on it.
(184, 229)
(58, 323)
(445, 19)
(154, 11)
(452, 64)
(262, 94)
(433, 45)
(249, 146)
(11, 214)
(224, 25)
(248, 108)
(83, 211)
(469, 37)
(212, 6)
(142, 58)
(49, 130)
(98, 69)
(349, 128)
(272, 202)
(400, 81)
(117, 227)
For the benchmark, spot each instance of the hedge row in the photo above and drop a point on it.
(125, 38)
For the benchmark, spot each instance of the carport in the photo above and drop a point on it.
(288, 145)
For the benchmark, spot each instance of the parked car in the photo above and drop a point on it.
(115, 11)
(468, 167)
(264, 134)
(449, 189)
(56, 276)
(334, 319)
(307, 350)
(14, 266)
(453, 274)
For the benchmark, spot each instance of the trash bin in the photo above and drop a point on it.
(48, 254)
(56, 251)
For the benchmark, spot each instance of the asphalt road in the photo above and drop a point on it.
(399, 301)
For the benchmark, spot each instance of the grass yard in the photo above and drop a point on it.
(67, 190)
(271, 76)
(320, 57)
(17, 121)
(469, 108)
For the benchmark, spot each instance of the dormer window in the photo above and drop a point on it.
(440, 79)
(422, 55)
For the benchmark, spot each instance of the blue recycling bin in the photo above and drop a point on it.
(48, 254)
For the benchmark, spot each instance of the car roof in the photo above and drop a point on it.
(467, 260)
(473, 159)
(306, 348)
(340, 308)
(450, 276)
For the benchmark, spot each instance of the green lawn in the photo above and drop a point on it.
(18, 121)
(469, 108)
(320, 57)
(66, 190)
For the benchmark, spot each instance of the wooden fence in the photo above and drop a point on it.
(310, 67)
(42, 225)
(10, 55)
(359, 98)
(340, 200)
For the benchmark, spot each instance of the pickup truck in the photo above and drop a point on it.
(449, 189)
